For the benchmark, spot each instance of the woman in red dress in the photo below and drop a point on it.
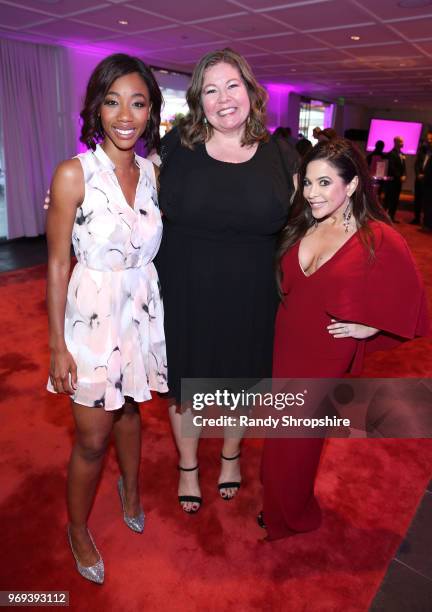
(344, 272)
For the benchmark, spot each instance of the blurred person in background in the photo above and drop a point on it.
(377, 152)
(397, 171)
(422, 167)
(327, 134)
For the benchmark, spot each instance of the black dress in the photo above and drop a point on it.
(216, 261)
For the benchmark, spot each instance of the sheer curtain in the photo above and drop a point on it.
(35, 96)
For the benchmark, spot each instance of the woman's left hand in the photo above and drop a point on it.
(343, 329)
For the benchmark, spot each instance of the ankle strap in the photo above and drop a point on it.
(182, 469)
(230, 458)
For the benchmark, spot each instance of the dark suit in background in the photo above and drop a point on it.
(397, 170)
(427, 193)
(419, 183)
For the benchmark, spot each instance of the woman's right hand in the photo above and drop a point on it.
(63, 371)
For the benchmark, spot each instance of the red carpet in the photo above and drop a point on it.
(369, 491)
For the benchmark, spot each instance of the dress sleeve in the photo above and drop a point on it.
(385, 292)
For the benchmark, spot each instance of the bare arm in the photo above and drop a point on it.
(67, 192)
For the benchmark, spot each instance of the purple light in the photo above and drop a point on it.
(382, 129)
(278, 101)
(328, 115)
(102, 50)
(279, 88)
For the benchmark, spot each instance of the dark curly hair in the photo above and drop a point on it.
(192, 128)
(348, 162)
(106, 72)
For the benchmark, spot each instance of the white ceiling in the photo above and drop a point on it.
(304, 43)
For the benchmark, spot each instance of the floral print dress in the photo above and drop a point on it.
(114, 313)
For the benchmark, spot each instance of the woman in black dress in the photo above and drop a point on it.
(224, 195)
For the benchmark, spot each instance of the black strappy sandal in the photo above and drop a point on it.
(229, 485)
(194, 499)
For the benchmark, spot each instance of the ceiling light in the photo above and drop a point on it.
(402, 65)
(293, 70)
(123, 22)
(395, 100)
(355, 37)
(414, 3)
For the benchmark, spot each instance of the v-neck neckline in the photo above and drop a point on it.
(131, 206)
(110, 166)
(335, 254)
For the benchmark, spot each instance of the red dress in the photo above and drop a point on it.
(350, 287)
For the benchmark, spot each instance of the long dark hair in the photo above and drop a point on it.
(193, 130)
(103, 76)
(348, 162)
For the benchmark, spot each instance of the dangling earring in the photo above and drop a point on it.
(347, 214)
(206, 125)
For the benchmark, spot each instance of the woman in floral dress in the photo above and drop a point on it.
(106, 322)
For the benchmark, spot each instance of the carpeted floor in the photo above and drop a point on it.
(215, 560)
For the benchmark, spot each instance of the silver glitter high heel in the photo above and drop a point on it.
(136, 523)
(94, 573)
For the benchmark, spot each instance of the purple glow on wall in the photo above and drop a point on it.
(103, 50)
(281, 88)
(277, 106)
(383, 129)
(82, 60)
(329, 115)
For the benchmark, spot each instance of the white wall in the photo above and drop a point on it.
(354, 117)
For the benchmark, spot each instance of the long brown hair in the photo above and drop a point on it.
(192, 128)
(348, 162)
